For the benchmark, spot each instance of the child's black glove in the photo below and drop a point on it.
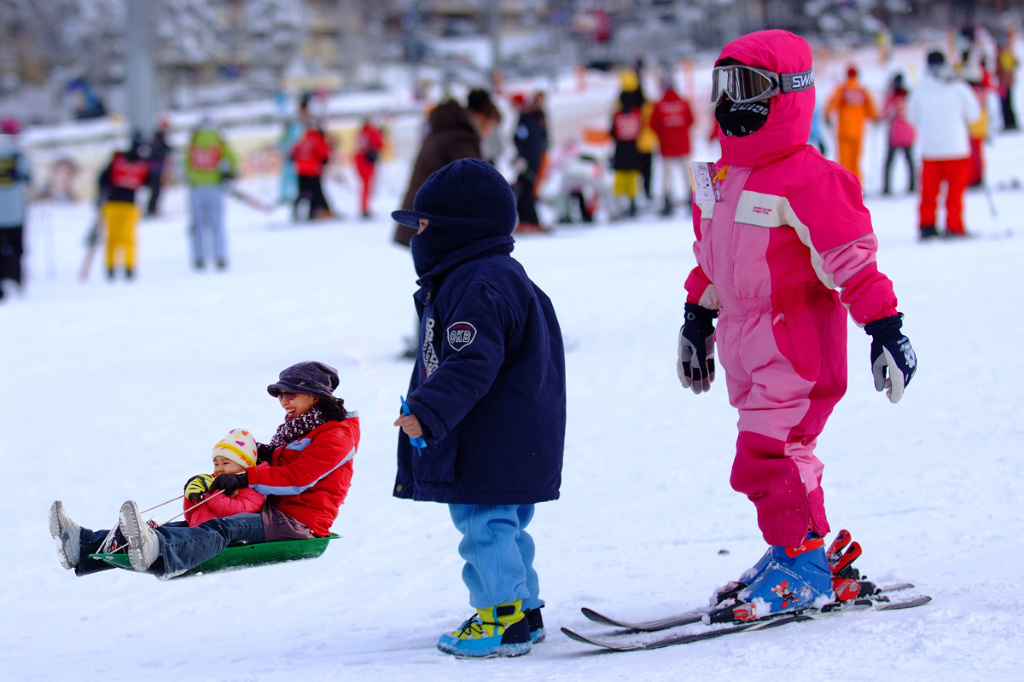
(230, 483)
(893, 361)
(696, 359)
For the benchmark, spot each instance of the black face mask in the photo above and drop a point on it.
(739, 120)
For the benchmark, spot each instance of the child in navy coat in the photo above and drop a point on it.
(488, 396)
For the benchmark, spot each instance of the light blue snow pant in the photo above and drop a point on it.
(499, 554)
(208, 219)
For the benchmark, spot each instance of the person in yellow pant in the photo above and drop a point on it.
(120, 218)
(126, 172)
(852, 104)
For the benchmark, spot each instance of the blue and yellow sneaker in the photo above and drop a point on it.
(501, 630)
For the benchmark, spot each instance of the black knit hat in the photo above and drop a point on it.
(312, 378)
(936, 58)
(467, 195)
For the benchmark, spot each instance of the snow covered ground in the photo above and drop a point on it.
(115, 391)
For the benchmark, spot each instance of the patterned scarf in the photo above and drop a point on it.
(293, 429)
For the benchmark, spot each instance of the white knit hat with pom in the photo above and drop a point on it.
(239, 446)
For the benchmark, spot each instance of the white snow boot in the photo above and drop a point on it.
(67, 534)
(143, 542)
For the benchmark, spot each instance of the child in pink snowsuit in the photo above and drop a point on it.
(783, 251)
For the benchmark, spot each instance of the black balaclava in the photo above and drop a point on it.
(739, 120)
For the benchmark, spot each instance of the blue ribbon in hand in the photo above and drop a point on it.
(418, 443)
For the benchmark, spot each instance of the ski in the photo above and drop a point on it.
(685, 618)
(762, 624)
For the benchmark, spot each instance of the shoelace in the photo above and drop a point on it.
(475, 620)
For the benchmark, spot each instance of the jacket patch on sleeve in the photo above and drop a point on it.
(460, 335)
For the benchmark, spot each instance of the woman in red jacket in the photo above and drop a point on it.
(305, 472)
(310, 155)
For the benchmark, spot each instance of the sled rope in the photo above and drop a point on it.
(105, 545)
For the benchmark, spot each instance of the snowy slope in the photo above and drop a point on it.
(114, 391)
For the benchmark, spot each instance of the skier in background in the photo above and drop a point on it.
(160, 150)
(311, 154)
(671, 120)
(209, 163)
(1006, 75)
(784, 249)
(901, 134)
(942, 108)
(15, 176)
(626, 160)
(851, 104)
(531, 142)
(118, 182)
(369, 144)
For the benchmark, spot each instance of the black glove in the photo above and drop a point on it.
(197, 486)
(263, 453)
(696, 363)
(893, 361)
(230, 483)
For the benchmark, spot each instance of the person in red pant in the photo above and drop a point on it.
(942, 108)
(369, 143)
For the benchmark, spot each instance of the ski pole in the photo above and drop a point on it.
(991, 199)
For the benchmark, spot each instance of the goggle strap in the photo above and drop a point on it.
(795, 82)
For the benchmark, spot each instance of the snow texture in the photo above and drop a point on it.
(116, 391)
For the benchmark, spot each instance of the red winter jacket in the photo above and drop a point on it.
(245, 501)
(309, 478)
(311, 154)
(671, 120)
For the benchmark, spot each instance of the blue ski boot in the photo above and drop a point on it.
(501, 630)
(795, 578)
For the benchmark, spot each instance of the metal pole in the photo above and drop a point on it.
(140, 68)
(494, 31)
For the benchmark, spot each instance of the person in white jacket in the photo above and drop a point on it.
(942, 108)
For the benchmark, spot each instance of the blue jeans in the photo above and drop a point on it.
(499, 554)
(181, 547)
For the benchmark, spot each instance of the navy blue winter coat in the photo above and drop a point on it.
(488, 386)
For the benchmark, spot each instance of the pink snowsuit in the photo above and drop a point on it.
(785, 253)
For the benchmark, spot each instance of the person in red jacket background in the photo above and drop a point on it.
(310, 155)
(369, 143)
(671, 121)
(305, 472)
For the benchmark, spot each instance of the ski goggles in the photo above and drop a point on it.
(743, 84)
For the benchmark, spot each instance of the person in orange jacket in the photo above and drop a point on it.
(852, 104)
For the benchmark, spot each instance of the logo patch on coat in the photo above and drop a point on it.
(460, 335)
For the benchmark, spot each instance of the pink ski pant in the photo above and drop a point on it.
(785, 366)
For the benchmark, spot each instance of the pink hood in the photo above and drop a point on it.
(790, 114)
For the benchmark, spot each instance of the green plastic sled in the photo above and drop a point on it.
(243, 556)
